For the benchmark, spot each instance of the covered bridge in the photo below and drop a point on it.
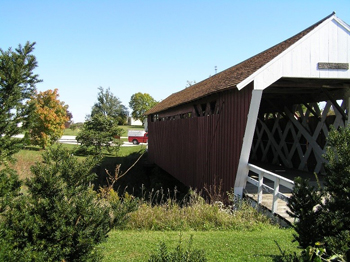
(275, 107)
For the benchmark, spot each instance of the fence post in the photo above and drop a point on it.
(260, 187)
(276, 189)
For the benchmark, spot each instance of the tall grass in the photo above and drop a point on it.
(193, 214)
(200, 217)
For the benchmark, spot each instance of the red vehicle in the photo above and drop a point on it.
(136, 137)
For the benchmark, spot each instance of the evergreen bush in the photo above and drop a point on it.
(303, 205)
(9, 187)
(98, 133)
(59, 218)
(17, 85)
(323, 215)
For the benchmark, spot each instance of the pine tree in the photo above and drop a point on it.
(302, 205)
(324, 214)
(60, 218)
(337, 180)
(335, 221)
(17, 84)
(98, 132)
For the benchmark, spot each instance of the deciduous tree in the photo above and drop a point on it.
(48, 119)
(140, 103)
(69, 121)
(109, 105)
(17, 84)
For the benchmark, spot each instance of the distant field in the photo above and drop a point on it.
(70, 132)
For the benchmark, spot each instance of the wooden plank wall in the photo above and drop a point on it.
(200, 150)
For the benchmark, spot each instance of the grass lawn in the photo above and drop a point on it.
(217, 245)
(70, 132)
(25, 159)
(127, 150)
(30, 155)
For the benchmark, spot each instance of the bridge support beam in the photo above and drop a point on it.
(242, 172)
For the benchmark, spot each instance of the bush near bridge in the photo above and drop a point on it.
(323, 214)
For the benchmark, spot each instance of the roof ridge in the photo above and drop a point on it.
(310, 28)
(231, 76)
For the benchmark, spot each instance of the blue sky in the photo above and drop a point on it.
(149, 46)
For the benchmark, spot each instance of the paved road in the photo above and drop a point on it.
(72, 140)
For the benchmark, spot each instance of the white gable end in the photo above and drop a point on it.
(327, 43)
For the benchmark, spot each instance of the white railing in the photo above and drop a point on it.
(277, 181)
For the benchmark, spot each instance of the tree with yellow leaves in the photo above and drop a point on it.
(49, 118)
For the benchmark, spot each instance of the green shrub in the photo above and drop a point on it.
(303, 205)
(324, 216)
(315, 253)
(179, 254)
(9, 187)
(59, 218)
(121, 207)
(99, 133)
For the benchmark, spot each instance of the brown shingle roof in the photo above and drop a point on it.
(230, 77)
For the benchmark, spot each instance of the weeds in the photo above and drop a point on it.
(120, 206)
(161, 210)
(193, 214)
(214, 192)
(179, 254)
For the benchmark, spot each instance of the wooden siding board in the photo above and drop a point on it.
(200, 150)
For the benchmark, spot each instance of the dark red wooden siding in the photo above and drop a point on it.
(198, 150)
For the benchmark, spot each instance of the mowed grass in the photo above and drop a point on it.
(257, 245)
(27, 157)
(128, 150)
(70, 132)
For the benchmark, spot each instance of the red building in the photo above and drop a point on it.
(264, 109)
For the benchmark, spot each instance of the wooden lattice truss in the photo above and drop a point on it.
(296, 137)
